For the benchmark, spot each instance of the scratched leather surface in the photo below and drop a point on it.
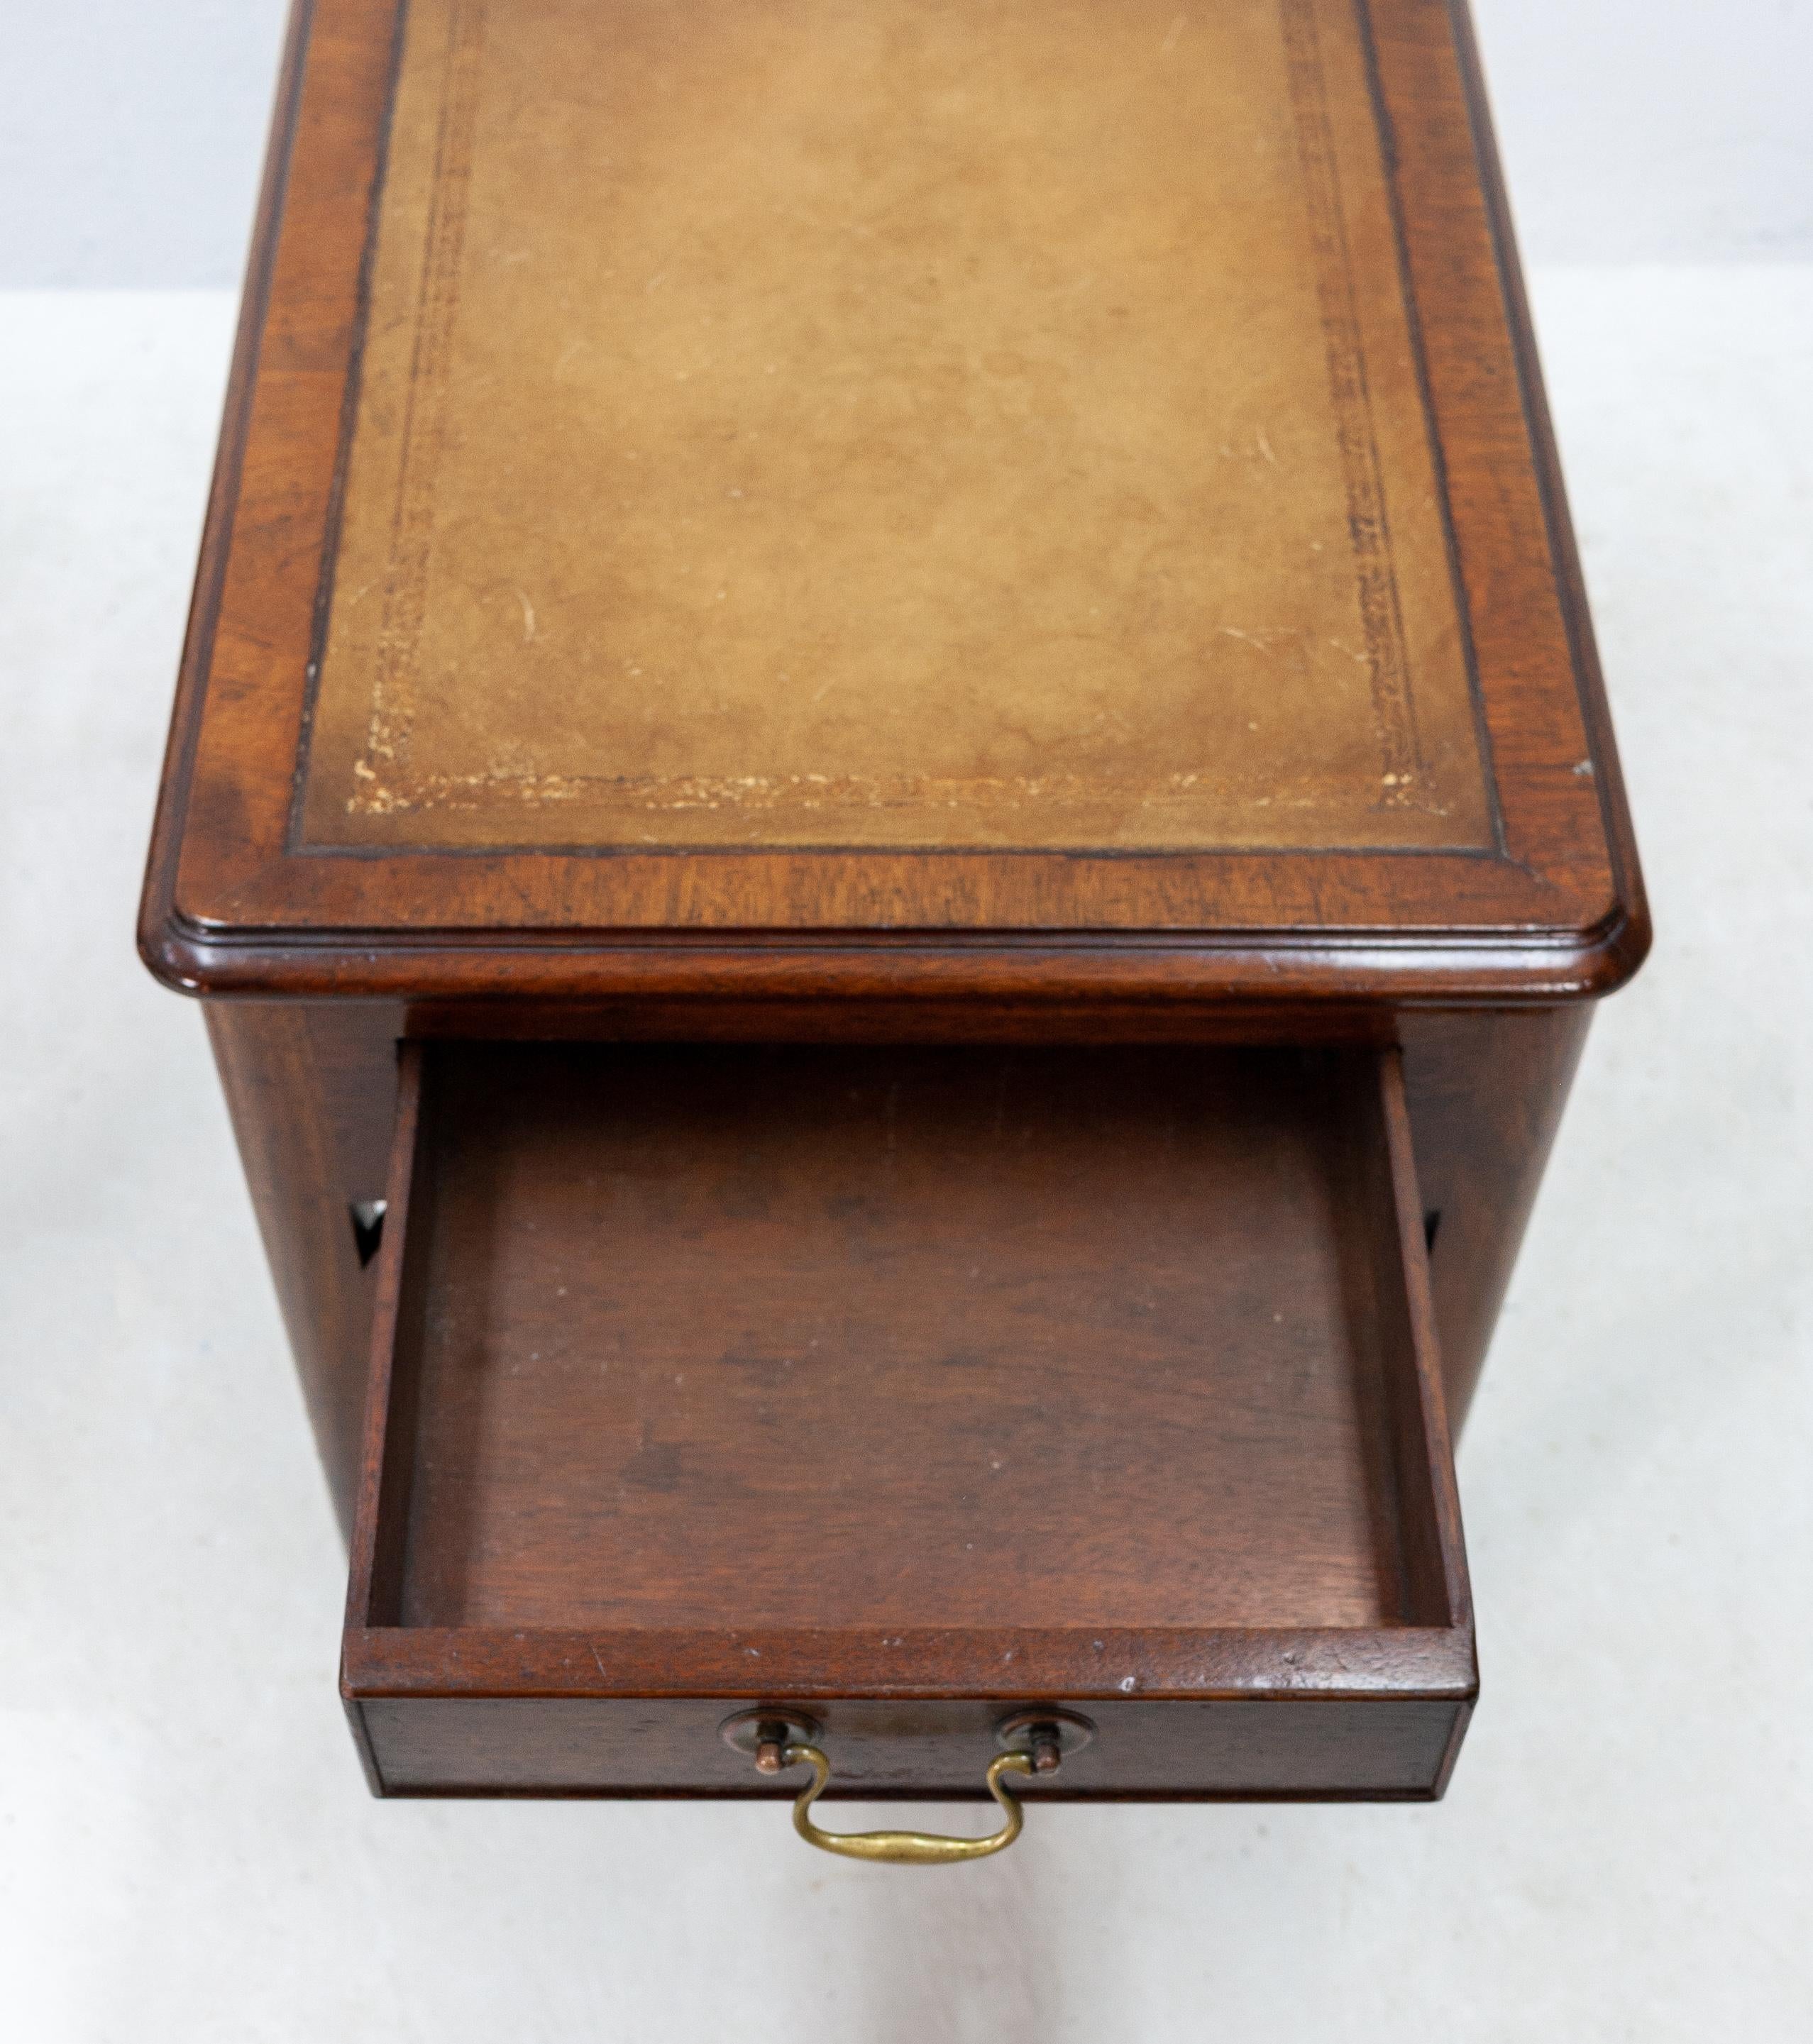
(889, 423)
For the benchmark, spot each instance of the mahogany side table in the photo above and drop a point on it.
(891, 802)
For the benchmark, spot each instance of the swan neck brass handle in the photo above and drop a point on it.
(906, 1848)
(1034, 1740)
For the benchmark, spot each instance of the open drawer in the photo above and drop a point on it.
(876, 1396)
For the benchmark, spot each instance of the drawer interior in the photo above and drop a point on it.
(902, 1345)
(923, 1337)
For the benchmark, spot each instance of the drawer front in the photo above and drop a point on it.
(1378, 1747)
(897, 1391)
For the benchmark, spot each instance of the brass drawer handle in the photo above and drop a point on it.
(1034, 1742)
(906, 1848)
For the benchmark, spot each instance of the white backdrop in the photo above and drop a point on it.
(1632, 130)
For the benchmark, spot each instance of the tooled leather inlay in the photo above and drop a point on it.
(889, 422)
